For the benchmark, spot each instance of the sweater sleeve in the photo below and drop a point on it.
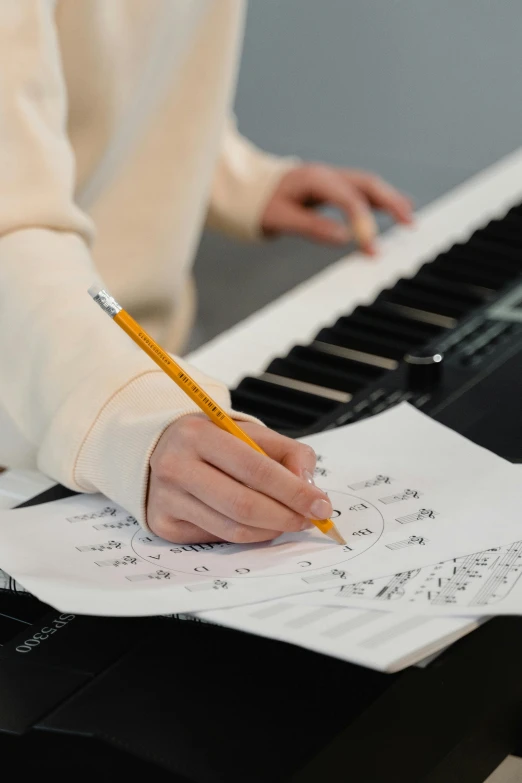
(244, 179)
(91, 403)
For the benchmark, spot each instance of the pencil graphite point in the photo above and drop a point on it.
(334, 534)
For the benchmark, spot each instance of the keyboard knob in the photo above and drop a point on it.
(424, 370)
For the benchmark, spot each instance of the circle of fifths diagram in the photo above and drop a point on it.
(360, 523)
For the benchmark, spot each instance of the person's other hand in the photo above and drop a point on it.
(291, 207)
(206, 485)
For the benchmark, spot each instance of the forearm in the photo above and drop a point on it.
(244, 181)
(87, 399)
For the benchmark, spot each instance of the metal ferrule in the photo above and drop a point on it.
(107, 303)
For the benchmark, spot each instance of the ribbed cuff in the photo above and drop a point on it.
(243, 186)
(114, 458)
(266, 175)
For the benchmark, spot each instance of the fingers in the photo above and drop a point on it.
(207, 485)
(328, 186)
(358, 213)
(304, 222)
(296, 457)
(241, 503)
(382, 195)
(179, 531)
(196, 523)
(354, 192)
(267, 477)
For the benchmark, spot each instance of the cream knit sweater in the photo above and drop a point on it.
(114, 147)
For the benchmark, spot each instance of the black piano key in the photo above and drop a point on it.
(495, 250)
(467, 272)
(481, 268)
(427, 279)
(484, 258)
(506, 231)
(306, 386)
(279, 424)
(310, 403)
(357, 370)
(260, 406)
(266, 413)
(376, 319)
(312, 381)
(315, 369)
(323, 369)
(511, 220)
(442, 291)
(286, 407)
(313, 372)
(413, 296)
(361, 340)
(515, 212)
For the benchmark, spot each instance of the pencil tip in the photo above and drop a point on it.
(334, 534)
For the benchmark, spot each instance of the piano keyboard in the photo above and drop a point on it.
(332, 350)
(355, 366)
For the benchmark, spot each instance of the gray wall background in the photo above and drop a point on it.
(424, 92)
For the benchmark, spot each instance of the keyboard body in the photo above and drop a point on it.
(195, 702)
(464, 306)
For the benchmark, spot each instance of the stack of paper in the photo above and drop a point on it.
(412, 499)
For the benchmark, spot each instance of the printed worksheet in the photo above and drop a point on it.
(407, 492)
(485, 583)
(482, 583)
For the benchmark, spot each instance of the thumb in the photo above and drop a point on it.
(312, 225)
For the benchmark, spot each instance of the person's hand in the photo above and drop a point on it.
(206, 485)
(354, 193)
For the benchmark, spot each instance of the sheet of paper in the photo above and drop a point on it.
(369, 638)
(485, 583)
(482, 583)
(406, 491)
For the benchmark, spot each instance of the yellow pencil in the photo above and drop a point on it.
(185, 382)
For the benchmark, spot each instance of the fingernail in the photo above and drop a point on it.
(320, 509)
(306, 525)
(365, 229)
(308, 477)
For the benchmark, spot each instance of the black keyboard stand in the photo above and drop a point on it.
(456, 720)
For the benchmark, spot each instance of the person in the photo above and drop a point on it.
(117, 145)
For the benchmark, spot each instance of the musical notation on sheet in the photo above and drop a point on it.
(484, 583)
